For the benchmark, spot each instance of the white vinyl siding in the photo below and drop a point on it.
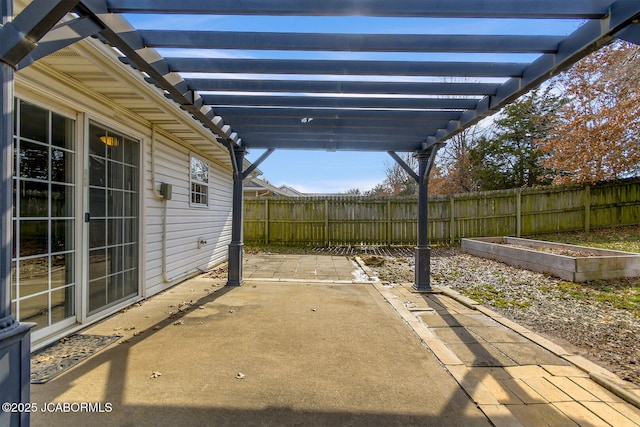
(185, 226)
(53, 90)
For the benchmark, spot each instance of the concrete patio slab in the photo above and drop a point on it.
(304, 350)
(266, 353)
(296, 267)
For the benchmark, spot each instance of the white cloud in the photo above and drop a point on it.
(330, 186)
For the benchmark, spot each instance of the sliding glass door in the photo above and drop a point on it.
(47, 261)
(112, 218)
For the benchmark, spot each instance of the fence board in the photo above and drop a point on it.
(345, 220)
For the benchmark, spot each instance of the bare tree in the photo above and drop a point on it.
(456, 165)
(397, 181)
(597, 137)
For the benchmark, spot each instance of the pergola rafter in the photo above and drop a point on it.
(349, 42)
(250, 113)
(342, 87)
(580, 9)
(310, 67)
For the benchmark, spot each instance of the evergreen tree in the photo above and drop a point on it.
(511, 157)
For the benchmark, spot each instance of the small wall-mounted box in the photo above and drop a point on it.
(165, 190)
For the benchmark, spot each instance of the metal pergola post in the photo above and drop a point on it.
(236, 246)
(15, 338)
(6, 191)
(19, 37)
(425, 158)
(422, 250)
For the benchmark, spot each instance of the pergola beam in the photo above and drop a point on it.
(369, 114)
(578, 9)
(261, 138)
(59, 37)
(346, 68)
(328, 131)
(343, 102)
(607, 20)
(630, 34)
(21, 35)
(328, 86)
(349, 42)
(338, 142)
(312, 123)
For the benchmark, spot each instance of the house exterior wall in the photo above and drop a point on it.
(186, 225)
(164, 158)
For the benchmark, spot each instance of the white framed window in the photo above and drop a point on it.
(199, 181)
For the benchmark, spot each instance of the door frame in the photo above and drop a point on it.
(83, 259)
(27, 95)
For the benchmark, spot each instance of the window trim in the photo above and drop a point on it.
(203, 186)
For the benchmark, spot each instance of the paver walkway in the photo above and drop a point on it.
(306, 342)
(516, 377)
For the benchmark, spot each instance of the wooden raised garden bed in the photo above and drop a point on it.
(568, 262)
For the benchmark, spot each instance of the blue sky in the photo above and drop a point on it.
(333, 172)
(323, 172)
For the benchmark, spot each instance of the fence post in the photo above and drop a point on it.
(326, 221)
(266, 221)
(587, 208)
(389, 226)
(452, 220)
(518, 212)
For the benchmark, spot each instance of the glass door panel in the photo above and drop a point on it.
(113, 218)
(43, 258)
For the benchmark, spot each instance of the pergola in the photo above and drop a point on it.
(387, 105)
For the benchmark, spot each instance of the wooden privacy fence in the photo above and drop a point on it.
(347, 220)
